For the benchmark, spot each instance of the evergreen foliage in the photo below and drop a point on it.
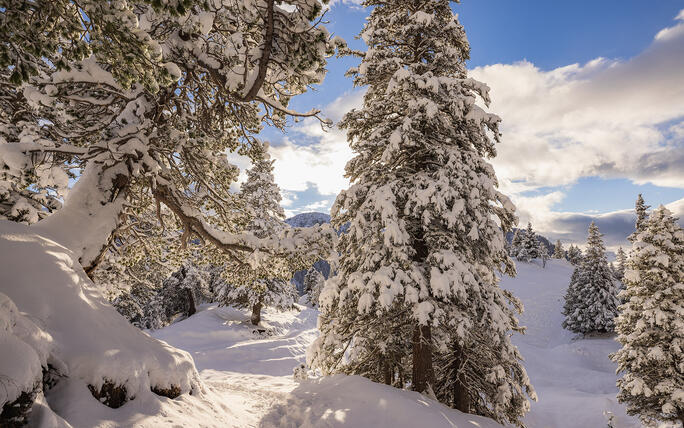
(651, 323)
(529, 245)
(574, 255)
(415, 299)
(141, 100)
(620, 264)
(558, 251)
(591, 301)
(266, 281)
(313, 284)
(641, 210)
(516, 242)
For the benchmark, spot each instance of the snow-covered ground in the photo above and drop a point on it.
(574, 378)
(246, 374)
(252, 374)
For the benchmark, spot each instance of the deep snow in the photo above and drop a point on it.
(246, 374)
(573, 376)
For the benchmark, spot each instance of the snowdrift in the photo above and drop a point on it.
(354, 401)
(53, 319)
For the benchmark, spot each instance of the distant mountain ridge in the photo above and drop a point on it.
(308, 219)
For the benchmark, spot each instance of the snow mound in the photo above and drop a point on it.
(75, 330)
(24, 350)
(354, 401)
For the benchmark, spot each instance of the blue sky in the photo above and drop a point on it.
(591, 94)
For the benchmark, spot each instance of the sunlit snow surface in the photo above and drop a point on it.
(252, 374)
(574, 378)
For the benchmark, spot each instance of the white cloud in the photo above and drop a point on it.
(321, 162)
(674, 31)
(602, 118)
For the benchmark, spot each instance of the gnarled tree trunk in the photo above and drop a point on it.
(91, 213)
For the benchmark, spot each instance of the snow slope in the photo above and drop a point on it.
(252, 373)
(245, 375)
(574, 378)
(48, 304)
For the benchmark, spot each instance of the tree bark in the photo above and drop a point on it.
(190, 298)
(461, 397)
(423, 372)
(256, 313)
(387, 371)
(89, 216)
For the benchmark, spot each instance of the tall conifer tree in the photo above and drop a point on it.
(651, 325)
(591, 302)
(417, 289)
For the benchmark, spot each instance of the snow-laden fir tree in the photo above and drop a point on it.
(620, 264)
(558, 251)
(574, 255)
(142, 104)
(141, 100)
(651, 323)
(265, 282)
(516, 241)
(641, 210)
(313, 284)
(416, 290)
(529, 245)
(591, 300)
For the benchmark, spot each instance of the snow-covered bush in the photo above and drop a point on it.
(651, 323)
(24, 352)
(591, 300)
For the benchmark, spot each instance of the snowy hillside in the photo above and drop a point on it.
(249, 378)
(308, 219)
(569, 374)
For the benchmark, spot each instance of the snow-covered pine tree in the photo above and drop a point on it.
(620, 264)
(516, 242)
(266, 281)
(574, 255)
(591, 302)
(417, 276)
(641, 210)
(313, 284)
(651, 323)
(142, 99)
(558, 251)
(529, 245)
